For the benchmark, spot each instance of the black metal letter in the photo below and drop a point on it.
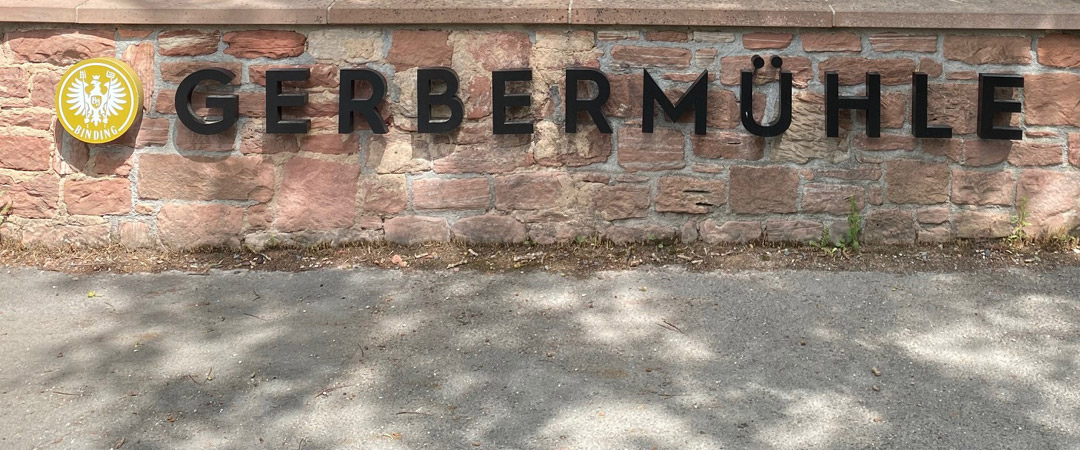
(275, 101)
(348, 105)
(228, 104)
(500, 101)
(919, 128)
(594, 106)
(746, 100)
(697, 97)
(871, 103)
(425, 100)
(988, 106)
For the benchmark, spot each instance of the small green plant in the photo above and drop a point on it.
(854, 228)
(1059, 240)
(826, 244)
(5, 208)
(1019, 235)
(850, 239)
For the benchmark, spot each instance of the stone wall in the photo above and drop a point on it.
(164, 185)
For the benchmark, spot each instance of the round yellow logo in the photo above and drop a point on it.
(98, 99)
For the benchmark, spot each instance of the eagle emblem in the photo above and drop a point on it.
(97, 100)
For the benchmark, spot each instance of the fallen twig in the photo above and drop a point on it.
(661, 394)
(257, 317)
(412, 412)
(669, 326)
(528, 257)
(328, 390)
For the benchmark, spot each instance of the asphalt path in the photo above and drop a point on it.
(642, 359)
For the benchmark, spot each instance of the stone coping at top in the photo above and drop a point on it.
(946, 14)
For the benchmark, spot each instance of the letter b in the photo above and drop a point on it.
(425, 100)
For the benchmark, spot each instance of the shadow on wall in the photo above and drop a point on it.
(113, 159)
(646, 359)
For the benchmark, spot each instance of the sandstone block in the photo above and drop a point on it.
(893, 42)
(982, 224)
(32, 198)
(621, 201)
(910, 181)
(792, 230)
(641, 233)
(766, 41)
(971, 187)
(61, 47)
(660, 150)
(728, 145)
(690, 195)
(714, 232)
(193, 226)
(984, 49)
(1059, 50)
(489, 229)
(201, 178)
(529, 191)
(831, 42)
(97, 197)
(335, 45)
(411, 230)
(832, 198)
(1052, 199)
(136, 235)
(1052, 98)
(851, 70)
(762, 190)
(188, 42)
(451, 194)
(889, 227)
(383, 195)
(317, 195)
(273, 44)
(412, 48)
(633, 56)
(25, 153)
(1031, 153)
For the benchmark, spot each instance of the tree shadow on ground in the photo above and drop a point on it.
(643, 359)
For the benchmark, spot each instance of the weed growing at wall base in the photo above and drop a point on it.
(1019, 236)
(5, 210)
(1059, 241)
(850, 239)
